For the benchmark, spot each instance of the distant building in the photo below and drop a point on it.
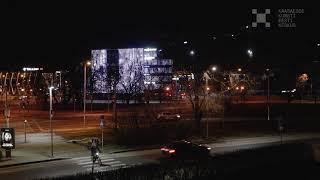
(30, 82)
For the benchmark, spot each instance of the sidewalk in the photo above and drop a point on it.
(38, 147)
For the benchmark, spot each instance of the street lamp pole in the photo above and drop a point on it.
(268, 98)
(84, 93)
(50, 114)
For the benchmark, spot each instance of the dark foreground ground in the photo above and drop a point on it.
(289, 161)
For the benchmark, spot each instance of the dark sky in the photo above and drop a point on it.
(62, 34)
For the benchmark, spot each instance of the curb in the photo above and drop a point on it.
(32, 162)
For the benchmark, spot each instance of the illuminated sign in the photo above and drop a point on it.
(150, 49)
(7, 138)
(32, 69)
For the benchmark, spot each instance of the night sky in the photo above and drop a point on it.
(58, 35)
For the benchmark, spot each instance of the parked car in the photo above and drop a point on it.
(166, 116)
(185, 150)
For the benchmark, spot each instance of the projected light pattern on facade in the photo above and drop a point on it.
(136, 68)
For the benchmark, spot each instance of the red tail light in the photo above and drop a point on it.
(172, 151)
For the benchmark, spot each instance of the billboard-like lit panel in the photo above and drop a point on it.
(99, 70)
(130, 64)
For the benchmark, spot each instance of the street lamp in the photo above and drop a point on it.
(214, 68)
(88, 63)
(192, 53)
(250, 53)
(239, 69)
(50, 115)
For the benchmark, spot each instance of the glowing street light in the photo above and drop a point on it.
(250, 53)
(192, 53)
(208, 88)
(242, 87)
(239, 69)
(237, 88)
(214, 68)
(185, 42)
(167, 88)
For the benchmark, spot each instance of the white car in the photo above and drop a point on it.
(168, 116)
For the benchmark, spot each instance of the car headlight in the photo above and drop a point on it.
(209, 148)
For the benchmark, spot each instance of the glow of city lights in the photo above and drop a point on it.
(228, 88)
(237, 88)
(239, 69)
(88, 63)
(242, 87)
(22, 89)
(167, 88)
(208, 89)
(214, 68)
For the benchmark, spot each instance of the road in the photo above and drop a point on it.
(111, 161)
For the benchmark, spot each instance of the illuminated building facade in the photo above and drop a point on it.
(133, 69)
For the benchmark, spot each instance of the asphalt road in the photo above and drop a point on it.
(110, 161)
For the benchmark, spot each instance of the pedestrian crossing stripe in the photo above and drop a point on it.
(103, 164)
(84, 161)
(89, 157)
(106, 168)
(107, 163)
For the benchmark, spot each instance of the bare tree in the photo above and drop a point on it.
(131, 81)
(196, 93)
